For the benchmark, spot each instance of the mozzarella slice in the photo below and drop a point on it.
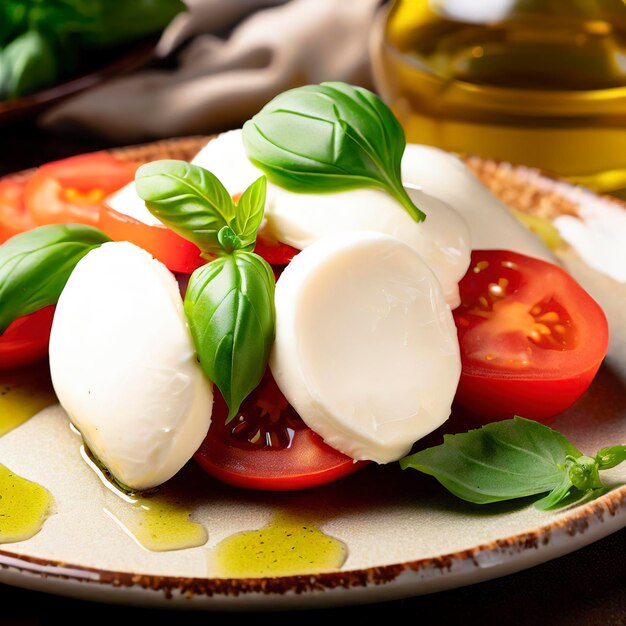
(366, 349)
(436, 172)
(124, 367)
(491, 225)
(299, 219)
(127, 202)
(226, 157)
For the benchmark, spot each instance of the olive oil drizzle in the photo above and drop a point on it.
(157, 520)
(24, 507)
(288, 545)
(20, 399)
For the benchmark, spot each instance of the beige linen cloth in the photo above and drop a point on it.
(218, 83)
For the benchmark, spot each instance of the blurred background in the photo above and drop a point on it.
(538, 82)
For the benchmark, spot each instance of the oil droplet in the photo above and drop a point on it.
(287, 546)
(158, 521)
(24, 507)
(22, 396)
(160, 524)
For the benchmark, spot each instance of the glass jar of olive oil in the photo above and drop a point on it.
(538, 82)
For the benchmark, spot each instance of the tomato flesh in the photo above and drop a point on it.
(175, 252)
(274, 252)
(531, 338)
(72, 190)
(14, 218)
(26, 340)
(268, 447)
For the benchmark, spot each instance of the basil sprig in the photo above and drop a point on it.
(35, 265)
(230, 308)
(229, 302)
(514, 459)
(329, 137)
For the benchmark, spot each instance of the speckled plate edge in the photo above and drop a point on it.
(585, 525)
(582, 526)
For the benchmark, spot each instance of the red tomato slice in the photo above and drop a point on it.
(268, 447)
(14, 218)
(72, 190)
(26, 340)
(531, 337)
(274, 252)
(176, 253)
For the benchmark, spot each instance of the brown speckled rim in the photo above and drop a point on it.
(579, 521)
(539, 198)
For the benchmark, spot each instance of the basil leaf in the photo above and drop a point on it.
(35, 265)
(558, 495)
(500, 461)
(194, 203)
(115, 22)
(228, 240)
(230, 311)
(329, 137)
(584, 473)
(611, 457)
(29, 64)
(249, 213)
(186, 198)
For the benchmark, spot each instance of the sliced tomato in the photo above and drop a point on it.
(72, 190)
(532, 339)
(268, 447)
(26, 340)
(274, 252)
(14, 218)
(176, 253)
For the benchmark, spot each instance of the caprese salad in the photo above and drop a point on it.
(308, 295)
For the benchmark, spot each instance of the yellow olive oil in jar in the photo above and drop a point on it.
(538, 82)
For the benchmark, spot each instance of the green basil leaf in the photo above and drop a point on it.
(558, 495)
(329, 137)
(115, 22)
(611, 457)
(584, 473)
(230, 311)
(13, 20)
(31, 62)
(186, 198)
(35, 265)
(228, 240)
(249, 213)
(500, 461)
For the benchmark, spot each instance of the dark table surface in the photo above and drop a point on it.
(585, 588)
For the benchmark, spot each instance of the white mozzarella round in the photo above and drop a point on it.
(124, 367)
(366, 349)
(299, 219)
(225, 157)
(127, 202)
(491, 225)
(442, 240)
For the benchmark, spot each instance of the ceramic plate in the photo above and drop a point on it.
(403, 534)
